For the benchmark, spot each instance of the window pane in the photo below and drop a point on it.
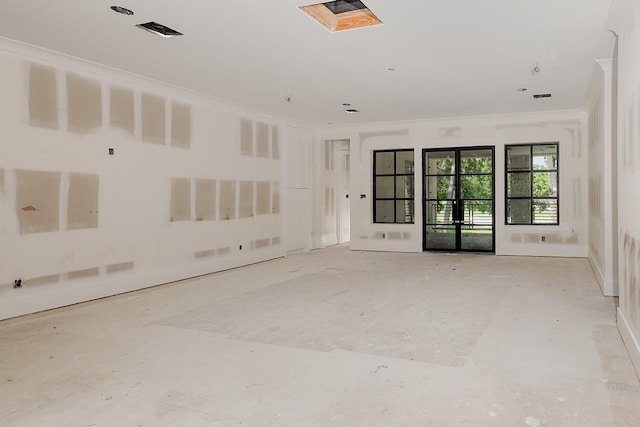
(439, 212)
(476, 161)
(440, 163)
(404, 162)
(440, 187)
(545, 211)
(384, 187)
(519, 184)
(384, 211)
(545, 156)
(519, 158)
(519, 211)
(476, 186)
(384, 163)
(545, 184)
(404, 211)
(404, 187)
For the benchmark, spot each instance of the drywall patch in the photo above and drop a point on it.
(516, 238)
(153, 119)
(180, 199)
(82, 209)
(37, 201)
(205, 254)
(451, 132)
(394, 235)
(83, 274)
(275, 144)
(262, 243)
(122, 266)
(223, 251)
(122, 110)
(180, 125)
(43, 97)
(573, 240)
(246, 137)
(42, 280)
(205, 199)
(84, 103)
(275, 241)
(275, 197)
(227, 200)
(263, 198)
(262, 140)
(246, 199)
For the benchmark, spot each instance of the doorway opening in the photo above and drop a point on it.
(458, 200)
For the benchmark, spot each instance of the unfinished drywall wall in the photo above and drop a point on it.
(246, 137)
(122, 115)
(625, 21)
(43, 97)
(37, 201)
(180, 125)
(180, 199)
(262, 139)
(119, 183)
(153, 119)
(275, 143)
(205, 199)
(82, 211)
(84, 104)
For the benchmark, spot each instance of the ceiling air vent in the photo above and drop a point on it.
(341, 14)
(542, 95)
(159, 29)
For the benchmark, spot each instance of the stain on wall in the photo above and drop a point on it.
(246, 137)
(37, 201)
(122, 266)
(262, 243)
(227, 200)
(180, 199)
(84, 103)
(82, 209)
(42, 280)
(246, 199)
(205, 199)
(122, 110)
(83, 274)
(153, 119)
(263, 198)
(180, 125)
(275, 241)
(275, 143)
(43, 99)
(262, 139)
(205, 254)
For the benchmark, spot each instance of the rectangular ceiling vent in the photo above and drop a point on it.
(341, 15)
(159, 29)
(542, 95)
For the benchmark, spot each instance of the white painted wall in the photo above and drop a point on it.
(298, 188)
(134, 227)
(625, 20)
(603, 204)
(570, 238)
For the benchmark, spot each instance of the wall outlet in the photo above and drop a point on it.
(542, 239)
(17, 283)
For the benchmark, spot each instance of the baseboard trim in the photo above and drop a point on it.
(633, 347)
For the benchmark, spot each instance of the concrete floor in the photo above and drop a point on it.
(332, 338)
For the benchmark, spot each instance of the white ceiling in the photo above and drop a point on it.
(452, 58)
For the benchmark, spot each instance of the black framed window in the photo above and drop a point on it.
(532, 183)
(393, 186)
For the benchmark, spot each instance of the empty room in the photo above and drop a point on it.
(346, 213)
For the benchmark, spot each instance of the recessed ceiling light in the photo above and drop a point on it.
(522, 89)
(159, 29)
(391, 69)
(351, 111)
(122, 10)
(542, 95)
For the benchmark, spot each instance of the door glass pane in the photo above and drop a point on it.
(404, 186)
(384, 163)
(519, 184)
(439, 212)
(440, 163)
(384, 187)
(545, 184)
(519, 211)
(404, 162)
(384, 211)
(545, 156)
(545, 211)
(440, 187)
(404, 211)
(476, 161)
(518, 158)
(476, 237)
(440, 237)
(478, 212)
(476, 187)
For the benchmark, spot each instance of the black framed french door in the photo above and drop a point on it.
(458, 202)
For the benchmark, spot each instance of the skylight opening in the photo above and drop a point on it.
(341, 15)
(159, 29)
